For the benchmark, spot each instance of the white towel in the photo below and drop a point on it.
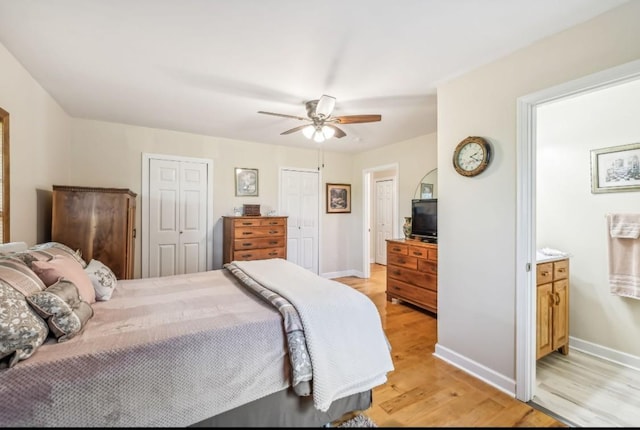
(623, 232)
(624, 225)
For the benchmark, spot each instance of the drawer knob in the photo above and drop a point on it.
(247, 244)
(396, 249)
(247, 255)
(273, 242)
(562, 270)
(417, 253)
(247, 233)
(544, 273)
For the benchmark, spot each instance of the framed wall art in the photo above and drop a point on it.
(426, 191)
(615, 169)
(338, 198)
(246, 182)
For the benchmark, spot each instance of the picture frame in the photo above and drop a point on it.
(615, 169)
(426, 191)
(246, 182)
(338, 198)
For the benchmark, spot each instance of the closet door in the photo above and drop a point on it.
(177, 217)
(299, 200)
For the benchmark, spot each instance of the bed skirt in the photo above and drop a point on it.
(286, 409)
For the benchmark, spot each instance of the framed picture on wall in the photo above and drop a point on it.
(338, 198)
(426, 191)
(615, 169)
(246, 182)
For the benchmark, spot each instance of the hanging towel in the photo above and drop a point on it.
(623, 239)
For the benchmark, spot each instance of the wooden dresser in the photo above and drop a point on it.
(412, 272)
(254, 238)
(552, 307)
(100, 222)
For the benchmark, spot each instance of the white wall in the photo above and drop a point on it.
(571, 218)
(477, 226)
(39, 150)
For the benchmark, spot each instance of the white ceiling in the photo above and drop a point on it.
(208, 66)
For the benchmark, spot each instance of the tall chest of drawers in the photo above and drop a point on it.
(412, 273)
(254, 238)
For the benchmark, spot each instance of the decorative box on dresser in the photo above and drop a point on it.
(412, 272)
(552, 307)
(254, 238)
(100, 222)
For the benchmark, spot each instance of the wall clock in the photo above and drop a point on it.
(472, 156)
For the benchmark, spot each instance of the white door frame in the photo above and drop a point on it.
(367, 190)
(526, 208)
(144, 195)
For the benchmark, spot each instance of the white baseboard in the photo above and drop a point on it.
(477, 370)
(343, 273)
(605, 353)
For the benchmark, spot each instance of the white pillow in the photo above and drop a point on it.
(103, 279)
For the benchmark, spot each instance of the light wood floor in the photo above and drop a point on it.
(587, 391)
(424, 391)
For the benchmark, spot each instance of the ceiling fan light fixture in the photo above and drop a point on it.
(308, 131)
(318, 136)
(328, 132)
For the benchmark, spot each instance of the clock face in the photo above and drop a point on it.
(471, 157)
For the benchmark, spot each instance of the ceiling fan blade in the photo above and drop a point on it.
(284, 116)
(338, 132)
(325, 106)
(354, 119)
(294, 129)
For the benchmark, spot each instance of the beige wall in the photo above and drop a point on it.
(477, 226)
(572, 219)
(39, 153)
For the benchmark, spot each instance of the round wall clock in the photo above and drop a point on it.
(472, 156)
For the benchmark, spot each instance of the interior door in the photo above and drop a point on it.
(177, 217)
(299, 201)
(384, 218)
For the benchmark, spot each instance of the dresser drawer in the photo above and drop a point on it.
(247, 222)
(397, 248)
(428, 266)
(402, 260)
(419, 279)
(265, 242)
(411, 293)
(259, 254)
(419, 252)
(272, 221)
(261, 231)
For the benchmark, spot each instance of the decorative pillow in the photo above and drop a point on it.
(103, 279)
(64, 267)
(50, 249)
(22, 331)
(61, 306)
(19, 276)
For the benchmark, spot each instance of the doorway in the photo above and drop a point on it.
(369, 197)
(526, 212)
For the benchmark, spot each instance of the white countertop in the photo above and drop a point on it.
(544, 258)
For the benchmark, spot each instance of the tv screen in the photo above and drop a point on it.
(424, 219)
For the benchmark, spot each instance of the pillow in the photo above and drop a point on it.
(22, 330)
(19, 276)
(64, 267)
(61, 306)
(103, 279)
(49, 249)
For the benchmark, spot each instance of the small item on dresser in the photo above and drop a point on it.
(251, 210)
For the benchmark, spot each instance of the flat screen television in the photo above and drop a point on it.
(424, 220)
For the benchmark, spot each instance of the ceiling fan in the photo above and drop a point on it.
(321, 125)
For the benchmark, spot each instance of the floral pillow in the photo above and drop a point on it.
(61, 306)
(103, 279)
(22, 331)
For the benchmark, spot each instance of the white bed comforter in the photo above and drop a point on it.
(348, 348)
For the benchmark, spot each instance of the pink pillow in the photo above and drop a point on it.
(65, 267)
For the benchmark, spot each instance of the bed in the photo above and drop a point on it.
(213, 348)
